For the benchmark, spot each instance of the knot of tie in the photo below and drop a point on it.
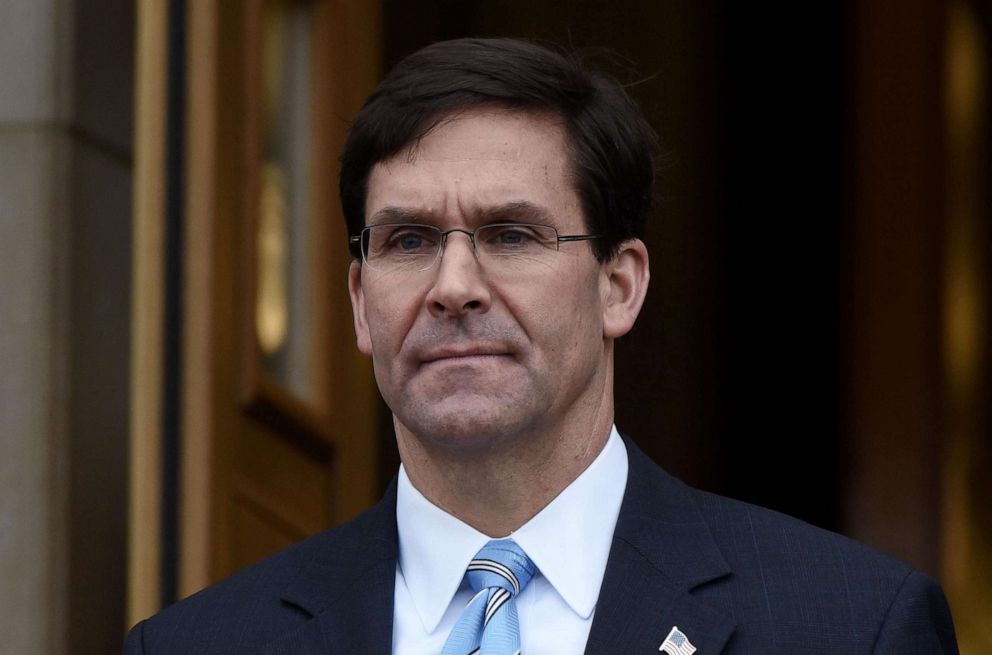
(501, 563)
(489, 625)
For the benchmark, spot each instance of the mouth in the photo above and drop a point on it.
(465, 355)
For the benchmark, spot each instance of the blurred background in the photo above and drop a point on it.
(179, 388)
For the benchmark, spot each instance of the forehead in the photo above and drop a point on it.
(474, 161)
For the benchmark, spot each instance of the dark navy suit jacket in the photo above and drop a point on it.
(733, 577)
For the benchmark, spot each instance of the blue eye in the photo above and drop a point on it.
(409, 241)
(508, 237)
(513, 237)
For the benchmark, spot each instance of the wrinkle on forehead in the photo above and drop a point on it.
(522, 211)
(415, 154)
(475, 161)
(546, 125)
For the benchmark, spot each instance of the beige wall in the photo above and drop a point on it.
(34, 150)
(65, 174)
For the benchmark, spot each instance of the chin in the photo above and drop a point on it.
(468, 427)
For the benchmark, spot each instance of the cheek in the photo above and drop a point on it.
(569, 320)
(385, 325)
(386, 331)
(580, 297)
(391, 316)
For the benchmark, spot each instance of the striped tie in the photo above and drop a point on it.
(489, 624)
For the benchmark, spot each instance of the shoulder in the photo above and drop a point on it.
(804, 581)
(790, 586)
(262, 601)
(753, 540)
(757, 538)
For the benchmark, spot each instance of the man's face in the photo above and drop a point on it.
(470, 351)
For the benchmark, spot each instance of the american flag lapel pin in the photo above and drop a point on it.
(676, 643)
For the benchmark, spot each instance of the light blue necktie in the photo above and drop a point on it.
(489, 624)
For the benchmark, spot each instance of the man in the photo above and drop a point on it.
(496, 194)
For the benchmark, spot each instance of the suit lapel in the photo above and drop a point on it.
(662, 551)
(347, 589)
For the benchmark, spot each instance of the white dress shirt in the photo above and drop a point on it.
(569, 542)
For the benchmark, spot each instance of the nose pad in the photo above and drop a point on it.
(447, 234)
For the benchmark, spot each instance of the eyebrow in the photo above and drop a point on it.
(517, 211)
(393, 214)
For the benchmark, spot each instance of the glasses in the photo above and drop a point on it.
(415, 247)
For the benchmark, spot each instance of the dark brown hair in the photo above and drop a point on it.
(611, 144)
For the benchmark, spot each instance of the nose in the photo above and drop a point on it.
(460, 286)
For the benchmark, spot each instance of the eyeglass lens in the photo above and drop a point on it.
(415, 247)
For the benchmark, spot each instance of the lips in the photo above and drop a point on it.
(449, 341)
(462, 352)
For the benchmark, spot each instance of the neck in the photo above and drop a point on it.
(499, 489)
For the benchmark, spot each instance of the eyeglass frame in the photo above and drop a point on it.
(360, 242)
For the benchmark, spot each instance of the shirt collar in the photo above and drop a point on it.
(435, 549)
(572, 533)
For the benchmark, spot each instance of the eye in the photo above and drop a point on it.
(510, 237)
(513, 237)
(410, 239)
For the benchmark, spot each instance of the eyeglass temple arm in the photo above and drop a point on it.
(579, 237)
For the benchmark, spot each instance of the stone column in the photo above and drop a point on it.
(34, 310)
(66, 70)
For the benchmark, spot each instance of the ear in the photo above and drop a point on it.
(623, 284)
(358, 308)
